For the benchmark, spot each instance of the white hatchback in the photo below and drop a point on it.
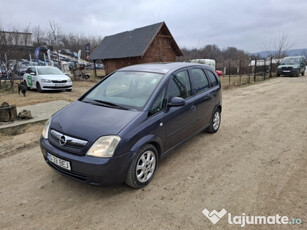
(46, 78)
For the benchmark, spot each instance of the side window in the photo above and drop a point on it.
(32, 70)
(199, 80)
(180, 85)
(158, 103)
(28, 70)
(212, 78)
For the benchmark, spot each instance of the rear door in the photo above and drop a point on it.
(214, 89)
(202, 96)
(30, 78)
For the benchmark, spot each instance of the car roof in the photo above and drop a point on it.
(163, 67)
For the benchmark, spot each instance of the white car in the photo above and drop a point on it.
(46, 78)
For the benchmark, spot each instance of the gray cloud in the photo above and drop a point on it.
(194, 23)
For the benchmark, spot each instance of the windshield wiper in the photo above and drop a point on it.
(111, 105)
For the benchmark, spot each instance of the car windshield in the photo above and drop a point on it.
(290, 61)
(128, 90)
(49, 71)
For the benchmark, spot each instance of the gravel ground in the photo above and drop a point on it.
(255, 164)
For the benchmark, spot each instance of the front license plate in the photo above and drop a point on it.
(59, 84)
(286, 71)
(62, 163)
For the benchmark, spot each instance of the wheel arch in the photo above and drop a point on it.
(149, 139)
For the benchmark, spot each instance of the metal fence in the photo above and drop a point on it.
(240, 72)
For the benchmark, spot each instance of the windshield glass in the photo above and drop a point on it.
(290, 61)
(130, 90)
(49, 71)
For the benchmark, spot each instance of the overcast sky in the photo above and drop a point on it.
(242, 24)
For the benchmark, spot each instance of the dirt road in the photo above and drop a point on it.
(256, 164)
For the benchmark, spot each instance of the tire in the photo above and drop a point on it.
(278, 75)
(303, 73)
(38, 87)
(28, 88)
(147, 160)
(69, 90)
(215, 122)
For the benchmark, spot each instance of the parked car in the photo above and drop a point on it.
(46, 78)
(121, 127)
(292, 66)
(219, 72)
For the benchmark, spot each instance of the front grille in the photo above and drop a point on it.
(57, 87)
(63, 81)
(286, 68)
(67, 143)
(71, 174)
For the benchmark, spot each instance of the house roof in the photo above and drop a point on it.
(132, 43)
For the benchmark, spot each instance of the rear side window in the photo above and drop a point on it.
(180, 85)
(199, 80)
(212, 78)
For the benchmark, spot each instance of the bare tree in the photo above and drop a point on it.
(54, 35)
(38, 36)
(278, 47)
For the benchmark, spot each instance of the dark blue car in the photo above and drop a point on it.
(118, 130)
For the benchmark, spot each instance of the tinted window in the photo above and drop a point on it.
(199, 80)
(180, 85)
(212, 78)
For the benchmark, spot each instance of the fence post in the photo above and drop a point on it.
(229, 72)
(249, 71)
(264, 69)
(255, 69)
(271, 66)
(240, 72)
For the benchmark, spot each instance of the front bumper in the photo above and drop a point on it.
(56, 86)
(92, 170)
(291, 72)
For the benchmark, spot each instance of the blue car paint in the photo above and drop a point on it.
(165, 130)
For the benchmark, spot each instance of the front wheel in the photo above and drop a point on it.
(143, 167)
(38, 87)
(215, 122)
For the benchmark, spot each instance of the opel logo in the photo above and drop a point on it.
(62, 140)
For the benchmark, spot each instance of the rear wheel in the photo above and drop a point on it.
(215, 122)
(143, 167)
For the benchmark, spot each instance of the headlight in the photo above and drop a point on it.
(45, 80)
(46, 130)
(104, 146)
(69, 80)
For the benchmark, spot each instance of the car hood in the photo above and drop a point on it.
(87, 121)
(55, 77)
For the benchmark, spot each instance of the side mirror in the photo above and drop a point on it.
(176, 102)
(32, 73)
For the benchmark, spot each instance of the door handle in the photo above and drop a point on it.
(193, 108)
